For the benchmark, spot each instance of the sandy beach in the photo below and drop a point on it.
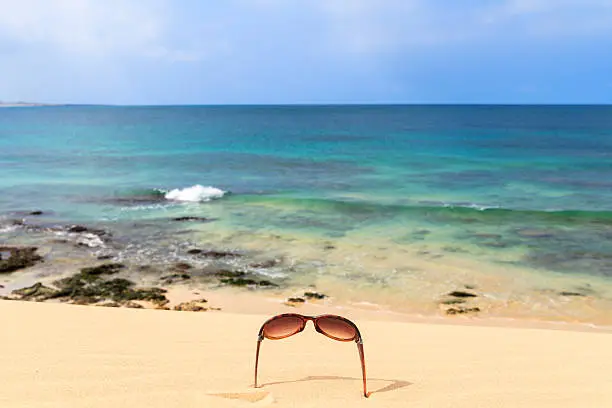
(58, 355)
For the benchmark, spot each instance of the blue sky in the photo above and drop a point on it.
(306, 51)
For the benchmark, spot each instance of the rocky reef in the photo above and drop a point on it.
(93, 285)
(14, 258)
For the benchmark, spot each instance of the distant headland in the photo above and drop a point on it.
(21, 104)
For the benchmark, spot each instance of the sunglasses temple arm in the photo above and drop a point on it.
(363, 369)
(259, 340)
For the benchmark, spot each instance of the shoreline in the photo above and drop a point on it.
(230, 301)
(254, 300)
(216, 271)
(253, 303)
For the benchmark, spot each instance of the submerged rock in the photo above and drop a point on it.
(26, 213)
(15, 258)
(454, 249)
(177, 273)
(175, 277)
(143, 198)
(193, 218)
(270, 263)
(95, 272)
(294, 302)
(314, 295)
(81, 228)
(192, 306)
(59, 241)
(462, 294)
(494, 244)
(487, 235)
(452, 301)
(571, 294)
(239, 281)
(214, 254)
(84, 236)
(182, 266)
(247, 282)
(534, 233)
(104, 257)
(229, 274)
(462, 310)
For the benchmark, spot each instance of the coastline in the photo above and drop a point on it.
(28, 104)
(254, 302)
(214, 275)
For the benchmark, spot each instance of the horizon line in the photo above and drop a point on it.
(356, 104)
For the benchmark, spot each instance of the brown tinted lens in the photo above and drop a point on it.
(282, 327)
(337, 328)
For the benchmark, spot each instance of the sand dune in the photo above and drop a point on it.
(71, 356)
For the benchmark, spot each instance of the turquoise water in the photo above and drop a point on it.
(499, 189)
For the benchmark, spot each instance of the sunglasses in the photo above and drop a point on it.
(334, 327)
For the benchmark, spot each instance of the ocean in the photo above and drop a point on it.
(391, 207)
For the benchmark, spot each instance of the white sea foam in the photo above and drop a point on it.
(85, 239)
(8, 228)
(90, 240)
(195, 194)
(149, 207)
(471, 205)
(271, 274)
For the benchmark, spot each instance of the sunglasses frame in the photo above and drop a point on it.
(315, 320)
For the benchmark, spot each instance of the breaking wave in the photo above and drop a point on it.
(195, 194)
(147, 197)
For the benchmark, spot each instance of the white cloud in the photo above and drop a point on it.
(345, 27)
(370, 26)
(362, 26)
(244, 44)
(88, 27)
(542, 19)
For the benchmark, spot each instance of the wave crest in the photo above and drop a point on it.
(195, 194)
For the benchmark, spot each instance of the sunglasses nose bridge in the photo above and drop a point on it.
(316, 326)
(309, 319)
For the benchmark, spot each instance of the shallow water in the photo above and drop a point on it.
(395, 205)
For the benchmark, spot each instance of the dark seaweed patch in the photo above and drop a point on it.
(15, 258)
